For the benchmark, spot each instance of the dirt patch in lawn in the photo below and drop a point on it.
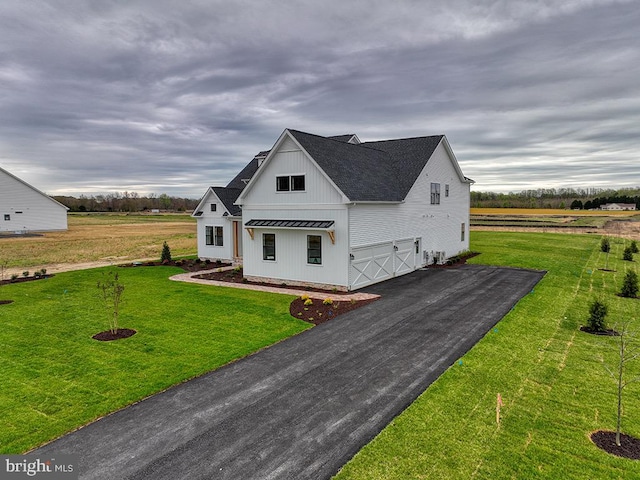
(108, 335)
(607, 333)
(606, 440)
(5, 302)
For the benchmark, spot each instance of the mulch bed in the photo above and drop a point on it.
(608, 332)
(108, 335)
(318, 312)
(606, 440)
(24, 279)
(5, 302)
(187, 265)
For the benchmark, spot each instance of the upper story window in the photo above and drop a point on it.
(290, 183)
(435, 194)
(446, 190)
(7, 217)
(214, 207)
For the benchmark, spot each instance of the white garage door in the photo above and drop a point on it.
(371, 264)
(377, 262)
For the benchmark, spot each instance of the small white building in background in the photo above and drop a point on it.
(338, 213)
(24, 208)
(618, 206)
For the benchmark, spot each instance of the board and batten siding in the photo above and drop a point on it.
(290, 160)
(25, 209)
(438, 226)
(291, 247)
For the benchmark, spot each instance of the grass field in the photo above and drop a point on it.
(102, 237)
(55, 377)
(549, 374)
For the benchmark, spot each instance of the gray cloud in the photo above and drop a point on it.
(101, 96)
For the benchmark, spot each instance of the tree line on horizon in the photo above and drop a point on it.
(127, 202)
(563, 198)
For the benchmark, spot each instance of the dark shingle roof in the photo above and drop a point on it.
(343, 138)
(381, 171)
(240, 180)
(227, 196)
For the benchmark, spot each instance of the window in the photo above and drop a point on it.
(214, 207)
(269, 246)
(462, 232)
(290, 183)
(214, 236)
(446, 190)
(7, 217)
(435, 194)
(314, 249)
(282, 184)
(297, 183)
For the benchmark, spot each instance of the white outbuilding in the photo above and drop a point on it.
(24, 208)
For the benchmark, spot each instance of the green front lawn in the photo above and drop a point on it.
(549, 374)
(55, 377)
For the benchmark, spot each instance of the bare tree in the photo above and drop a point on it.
(111, 290)
(627, 350)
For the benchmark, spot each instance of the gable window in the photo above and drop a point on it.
(7, 217)
(314, 249)
(462, 228)
(435, 194)
(214, 236)
(297, 183)
(214, 207)
(446, 190)
(282, 184)
(269, 246)
(290, 183)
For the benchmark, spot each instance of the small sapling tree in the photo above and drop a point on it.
(605, 246)
(627, 350)
(597, 315)
(630, 285)
(627, 254)
(634, 246)
(111, 290)
(166, 253)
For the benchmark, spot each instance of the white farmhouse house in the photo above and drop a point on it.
(339, 213)
(24, 208)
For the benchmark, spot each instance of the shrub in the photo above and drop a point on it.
(634, 246)
(304, 297)
(166, 253)
(630, 285)
(627, 254)
(327, 301)
(597, 313)
(308, 302)
(43, 271)
(605, 245)
(25, 274)
(14, 277)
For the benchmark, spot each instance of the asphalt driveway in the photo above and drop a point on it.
(302, 408)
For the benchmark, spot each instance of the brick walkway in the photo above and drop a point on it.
(190, 278)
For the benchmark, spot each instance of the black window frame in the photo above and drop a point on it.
(435, 193)
(214, 207)
(269, 249)
(291, 183)
(283, 183)
(7, 217)
(214, 235)
(314, 253)
(298, 183)
(446, 190)
(462, 231)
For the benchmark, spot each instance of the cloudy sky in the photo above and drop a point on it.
(167, 96)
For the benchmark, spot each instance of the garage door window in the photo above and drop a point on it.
(314, 249)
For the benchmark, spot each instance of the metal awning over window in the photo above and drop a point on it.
(302, 224)
(319, 224)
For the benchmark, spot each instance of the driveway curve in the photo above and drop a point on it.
(303, 407)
